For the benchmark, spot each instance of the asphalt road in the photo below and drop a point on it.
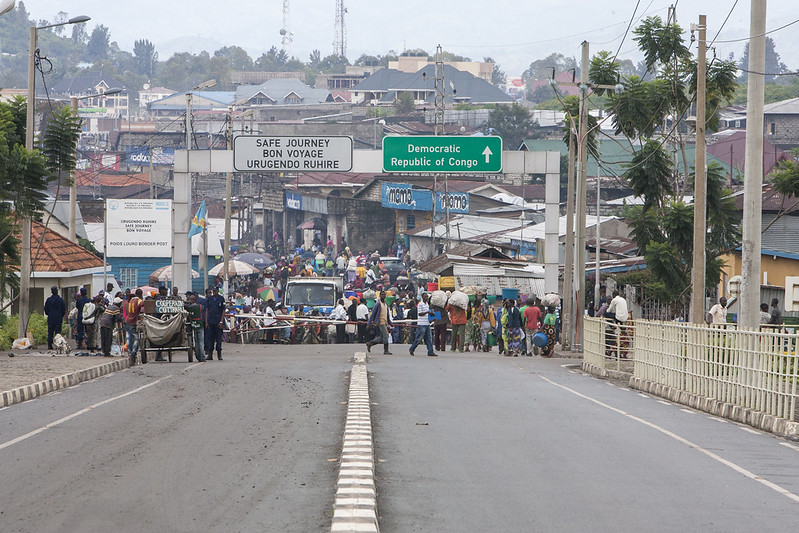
(463, 442)
(474, 443)
(238, 445)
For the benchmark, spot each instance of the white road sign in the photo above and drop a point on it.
(279, 153)
(138, 228)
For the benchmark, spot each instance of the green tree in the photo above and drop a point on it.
(314, 59)
(24, 176)
(498, 76)
(513, 123)
(145, 57)
(774, 64)
(541, 69)
(237, 58)
(404, 104)
(99, 42)
(663, 226)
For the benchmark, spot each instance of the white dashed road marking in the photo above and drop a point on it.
(741, 470)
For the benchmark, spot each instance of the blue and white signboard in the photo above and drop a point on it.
(140, 155)
(404, 196)
(293, 201)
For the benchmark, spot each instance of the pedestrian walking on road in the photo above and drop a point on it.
(132, 311)
(457, 317)
(440, 324)
(548, 329)
(214, 325)
(380, 319)
(109, 321)
(423, 313)
(195, 311)
(80, 303)
(513, 326)
(484, 316)
(55, 308)
(532, 324)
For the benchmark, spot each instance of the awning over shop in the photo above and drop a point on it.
(316, 223)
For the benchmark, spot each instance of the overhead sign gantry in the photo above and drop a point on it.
(445, 154)
(279, 153)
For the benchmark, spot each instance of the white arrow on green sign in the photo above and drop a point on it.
(442, 154)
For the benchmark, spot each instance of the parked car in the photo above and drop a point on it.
(394, 265)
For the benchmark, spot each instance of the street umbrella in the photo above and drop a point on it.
(235, 268)
(147, 290)
(268, 293)
(259, 261)
(165, 274)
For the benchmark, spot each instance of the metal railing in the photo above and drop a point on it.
(609, 345)
(758, 370)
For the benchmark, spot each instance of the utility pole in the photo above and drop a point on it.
(582, 158)
(597, 292)
(228, 209)
(698, 268)
(568, 261)
(753, 171)
(150, 170)
(439, 130)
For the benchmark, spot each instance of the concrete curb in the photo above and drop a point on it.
(29, 392)
(355, 507)
(737, 413)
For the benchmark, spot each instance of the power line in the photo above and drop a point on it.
(761, 35)
(627, 31)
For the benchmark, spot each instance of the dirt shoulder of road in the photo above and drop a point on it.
(28, 367)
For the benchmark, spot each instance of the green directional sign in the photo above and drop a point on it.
(442, 154)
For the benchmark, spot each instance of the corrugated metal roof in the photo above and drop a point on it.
(784, 107)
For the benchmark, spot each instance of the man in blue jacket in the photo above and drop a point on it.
(56, 309)
(214, 324)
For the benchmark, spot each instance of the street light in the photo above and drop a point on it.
(73, 190)
(6, 6)
(25, 265)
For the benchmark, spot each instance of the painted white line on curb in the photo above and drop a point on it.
(664, 402)
(355, 506)
(741, 470)
(752, 431)
(77, 414)
(688, 411)
(789, 445)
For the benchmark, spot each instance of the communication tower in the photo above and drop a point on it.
(340, 41)
(286, 36)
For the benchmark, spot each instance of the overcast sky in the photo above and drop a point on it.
(514, 33)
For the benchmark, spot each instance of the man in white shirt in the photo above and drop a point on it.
(423, 313)
(718, 313)
(618, 308)
(362, 315)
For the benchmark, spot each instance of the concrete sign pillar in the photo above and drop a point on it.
(181, 221)
(551, 227)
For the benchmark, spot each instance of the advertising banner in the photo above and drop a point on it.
(293, 201)
(404, 196)
(140, 156)
(138, 228)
